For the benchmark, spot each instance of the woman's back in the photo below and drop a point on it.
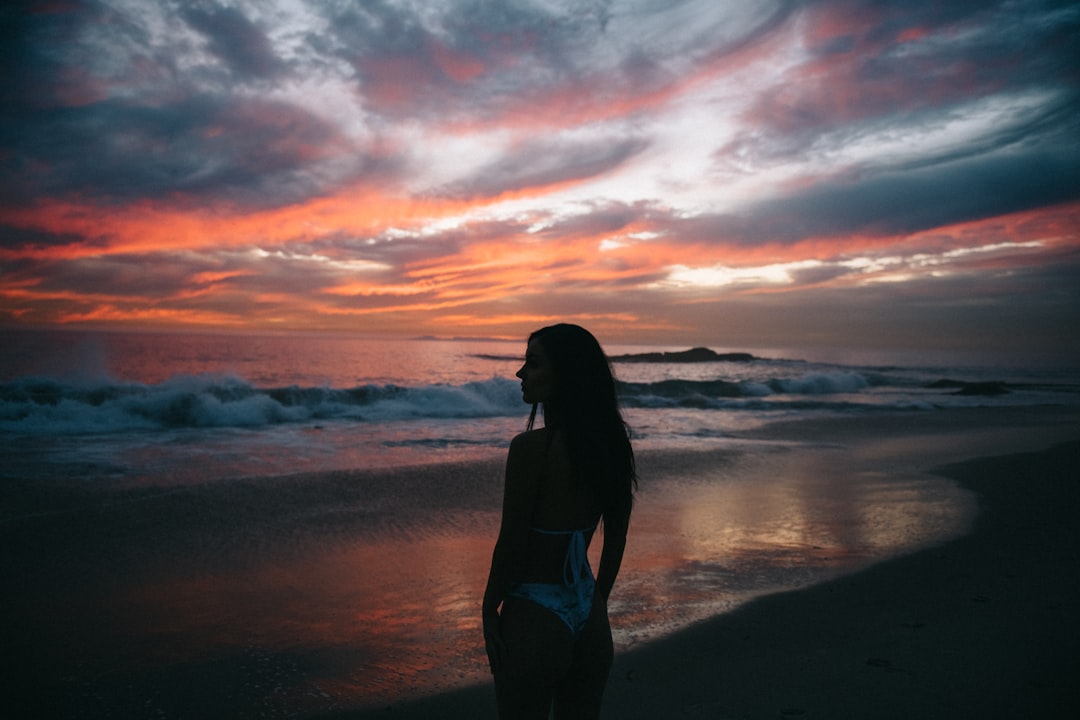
(563, 504)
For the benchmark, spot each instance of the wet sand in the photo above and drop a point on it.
(986, 626)
(981, 626)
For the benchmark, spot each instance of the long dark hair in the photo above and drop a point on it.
(584, 407)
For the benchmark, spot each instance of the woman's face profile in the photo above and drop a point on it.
(535, 374)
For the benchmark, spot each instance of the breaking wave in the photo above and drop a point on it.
(42, 405)
(51, 406)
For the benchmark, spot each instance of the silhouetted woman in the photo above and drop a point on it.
(551, 643)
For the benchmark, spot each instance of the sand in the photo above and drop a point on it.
(985, 626)
(982, 626)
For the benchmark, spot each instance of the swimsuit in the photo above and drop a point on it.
(571, 601)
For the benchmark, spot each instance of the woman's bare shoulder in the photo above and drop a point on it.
(530, 441)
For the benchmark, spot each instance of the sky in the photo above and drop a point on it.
(735, 174)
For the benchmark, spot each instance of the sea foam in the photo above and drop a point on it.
(45, 405)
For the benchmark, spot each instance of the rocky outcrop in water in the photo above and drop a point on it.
(693, 355)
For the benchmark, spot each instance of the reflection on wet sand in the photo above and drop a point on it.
(776, 519)
(335, 600)
(369, 619)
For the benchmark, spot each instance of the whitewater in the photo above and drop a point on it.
(181, 408)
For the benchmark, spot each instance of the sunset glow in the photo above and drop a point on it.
(724, 173)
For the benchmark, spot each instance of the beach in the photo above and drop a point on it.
(172, 603)
(986, 625)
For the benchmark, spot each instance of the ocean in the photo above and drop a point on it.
(138, 408)
(302, 524)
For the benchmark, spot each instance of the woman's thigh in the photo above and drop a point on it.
(539, 653)
(578, 695)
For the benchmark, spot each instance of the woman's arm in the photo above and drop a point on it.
(519, 494)
(611, 556)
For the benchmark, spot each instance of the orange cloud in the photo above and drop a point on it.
(148, 317)
(213, 278)
(483, 282)
(157, 226)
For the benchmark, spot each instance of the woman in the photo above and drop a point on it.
(551, 644)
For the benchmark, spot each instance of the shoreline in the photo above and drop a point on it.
(780, 652)
(983, 625)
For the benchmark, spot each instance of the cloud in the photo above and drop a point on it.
(235, 40)
(871, 60)
(543, 163)
(255, 151)
(139, 121)
(476, 63)
(390, 163)
(32, 73)
(905, 202)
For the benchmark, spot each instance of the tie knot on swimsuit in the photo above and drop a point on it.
(576, 561)
(571, 601)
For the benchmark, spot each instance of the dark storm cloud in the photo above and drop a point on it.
(934, 196)
(31, 74)
(892, 60)
(236, 40)
(891, 202)
(256, 152)
(20, 239)
(66, 130)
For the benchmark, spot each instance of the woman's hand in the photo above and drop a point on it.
(493, 642)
